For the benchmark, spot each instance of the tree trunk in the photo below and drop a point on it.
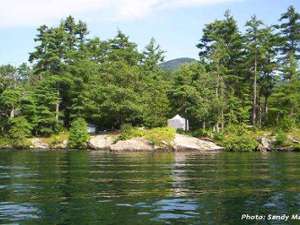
(57, 112)
(266, 110)
(260, 113)
(12, 113)
(222, 108)
(217, 96)
(254, 92)
(57, 108)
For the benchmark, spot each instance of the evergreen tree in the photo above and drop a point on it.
(254, 49)
(152, 56)
(290, 41)
(78, 134)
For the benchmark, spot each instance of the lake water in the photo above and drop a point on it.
(163, 188)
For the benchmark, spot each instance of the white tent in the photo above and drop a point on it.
(179, 122)
(91, 129)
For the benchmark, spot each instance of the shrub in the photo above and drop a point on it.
(237, 129)
(4, 142)
(202, 133)
(19, 131)
(128, 132)
(219, 136)
(241, 143)
(286, 124)
(58, 139)
(160, 136)
(79, 136)
(181, 131)
(280, 138)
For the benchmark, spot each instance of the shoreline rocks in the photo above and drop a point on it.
(101, 142)
(183, 143)
(37, 143)
(180, 143)
(265, 144)
(132, 145)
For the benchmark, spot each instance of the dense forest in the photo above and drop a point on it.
(250, 77)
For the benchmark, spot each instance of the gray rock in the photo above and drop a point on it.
(293, 139)
(184, 143)
(101, 142)
(135, 144)
(180, 143)
(265, 144)
(61, 145)
(37, 143)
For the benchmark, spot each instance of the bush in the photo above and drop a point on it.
(19, 131)
(240, 143)
(128, 132)
(286, 124)
(202, 133)
(160, 136)
(237, 129)
(280, 138)
(219, 136)
(4, 142)
(79, 136)
(58, 139)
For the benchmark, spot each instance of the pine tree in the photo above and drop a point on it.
(290, 42)
(254, 44)
(152, 56)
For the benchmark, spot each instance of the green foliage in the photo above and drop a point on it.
(289, 41)
(4, 142)
(202, 133)
(128, 132)
(238, 138)
(280, 138)
(286, 124)
(79, 136)
(240, 143)
(219, 137)
(160, 136)
(152, 56)
(18, 132)
(192, 95)
(237, 129)
(58, 139)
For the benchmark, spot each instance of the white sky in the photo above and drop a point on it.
(14, 13)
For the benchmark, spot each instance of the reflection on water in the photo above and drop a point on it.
(144, 188)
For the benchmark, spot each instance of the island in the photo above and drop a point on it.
(242, 94)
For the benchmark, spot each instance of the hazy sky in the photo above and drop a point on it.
(175, 24)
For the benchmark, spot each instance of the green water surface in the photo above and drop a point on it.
(143, 188)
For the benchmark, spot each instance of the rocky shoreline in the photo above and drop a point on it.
(181, 143)
(108, 142)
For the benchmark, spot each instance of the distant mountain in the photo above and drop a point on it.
(175, 64)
